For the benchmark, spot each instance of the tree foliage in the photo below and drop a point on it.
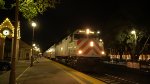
(126, 42)
(2, 3)
(31, 8)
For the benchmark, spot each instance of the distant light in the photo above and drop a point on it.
(100, 40)
(48, 51)
(133, 32)
(91, 32)
(34, 44)
(98, 32)
(35, 47)
(61, 48)
(81, 31)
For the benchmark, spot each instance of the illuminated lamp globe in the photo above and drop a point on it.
(33, 24)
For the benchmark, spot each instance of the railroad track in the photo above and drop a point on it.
(110, 79)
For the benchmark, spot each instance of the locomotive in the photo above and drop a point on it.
(81, 47)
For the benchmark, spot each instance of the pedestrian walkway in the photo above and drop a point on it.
(21, 66)
(50, 72)
(47, 72)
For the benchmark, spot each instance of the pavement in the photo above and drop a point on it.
(47, 72)
(21, 65)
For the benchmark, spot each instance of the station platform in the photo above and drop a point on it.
(50, 72)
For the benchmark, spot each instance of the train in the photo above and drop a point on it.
(83, 46)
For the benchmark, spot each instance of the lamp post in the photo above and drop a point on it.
(135, 39)
(32, 59)
(12, 77)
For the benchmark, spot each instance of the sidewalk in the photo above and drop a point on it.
(21, 65)
(47, 72)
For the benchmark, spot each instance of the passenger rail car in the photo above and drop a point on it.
(82, 46)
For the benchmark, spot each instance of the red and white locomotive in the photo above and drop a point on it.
(81, 45)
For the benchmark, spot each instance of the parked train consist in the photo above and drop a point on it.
(81, 46)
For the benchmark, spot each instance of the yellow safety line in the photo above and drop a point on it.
(76, 78)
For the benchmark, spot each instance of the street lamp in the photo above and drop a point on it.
(32, 59)
(134, 33)
(135, 39)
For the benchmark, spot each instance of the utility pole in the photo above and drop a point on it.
(12, 77)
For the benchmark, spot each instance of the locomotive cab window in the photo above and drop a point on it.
(80, 36)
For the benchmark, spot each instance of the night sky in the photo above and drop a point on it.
(105, 15)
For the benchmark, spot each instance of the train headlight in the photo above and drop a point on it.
(100, 40)
(80, 52)
(91, 43)
(87, 31)
(102, 52)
